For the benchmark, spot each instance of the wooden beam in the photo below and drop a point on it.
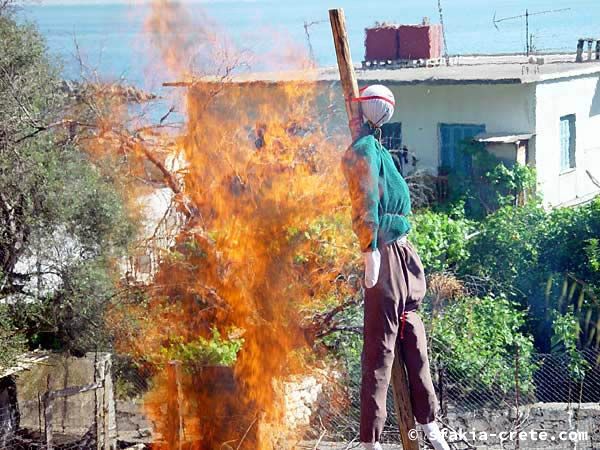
(403, 406)
(73, 390)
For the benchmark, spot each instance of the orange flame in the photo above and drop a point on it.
(266, 236)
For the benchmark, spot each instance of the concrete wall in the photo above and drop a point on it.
(74, 415)
(579, 96)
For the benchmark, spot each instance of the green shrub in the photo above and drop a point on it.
(565, 335)
(489, 183)
(478, 338)
(440, 238)
(12, 342)
(215, 351)
(506, 250)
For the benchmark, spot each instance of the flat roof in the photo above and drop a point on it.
(472, 69)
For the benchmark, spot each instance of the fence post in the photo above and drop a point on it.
(47, 401)
(174, 432)
(105, 403)
(441, 389)
(40, 412)
(99, 403)
(517, 397)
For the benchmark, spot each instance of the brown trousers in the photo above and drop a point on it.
(390, 316)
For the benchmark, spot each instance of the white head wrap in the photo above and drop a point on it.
(377, 104)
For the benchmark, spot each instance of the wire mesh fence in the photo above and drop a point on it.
(542, 378)
(504, 399)
(131, 383)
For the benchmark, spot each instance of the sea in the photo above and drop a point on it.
(110, 37)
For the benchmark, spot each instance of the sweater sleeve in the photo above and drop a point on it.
(361, 170)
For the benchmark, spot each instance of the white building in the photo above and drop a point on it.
(544, 113)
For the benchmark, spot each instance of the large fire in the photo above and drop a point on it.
(264, 244)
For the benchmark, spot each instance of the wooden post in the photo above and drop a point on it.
(404, 412)
(174, 417)
(40, 411)
(347, 75)
(99, 403)
(47, 401)
(106, 405)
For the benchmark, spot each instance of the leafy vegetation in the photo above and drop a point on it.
(489, 183)
(214, 351)
(62, 223)
(12, 341)
(441, 238)
(545, 261)
(566, 329)
(479, 338)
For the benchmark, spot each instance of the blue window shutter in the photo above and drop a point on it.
(446, 148)
(452, 140)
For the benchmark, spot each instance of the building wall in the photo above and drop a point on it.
(421, 109)
(579, 96)
(526, 108)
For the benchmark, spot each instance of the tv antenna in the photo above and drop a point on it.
(307, 26)
(528, 40)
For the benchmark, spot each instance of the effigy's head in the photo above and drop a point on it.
(377, 103)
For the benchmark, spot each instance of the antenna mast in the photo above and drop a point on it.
(528, 40)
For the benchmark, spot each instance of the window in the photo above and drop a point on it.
(391, 138)
(391, 135)
(567, 142)
(452, 142)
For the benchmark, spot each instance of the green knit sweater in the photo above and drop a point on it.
(380, 196)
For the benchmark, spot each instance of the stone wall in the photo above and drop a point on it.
(483, 427)
(301, 396)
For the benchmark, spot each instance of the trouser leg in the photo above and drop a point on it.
(380, 331)
(414, 350)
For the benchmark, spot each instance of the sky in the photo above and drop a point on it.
(112, 2)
